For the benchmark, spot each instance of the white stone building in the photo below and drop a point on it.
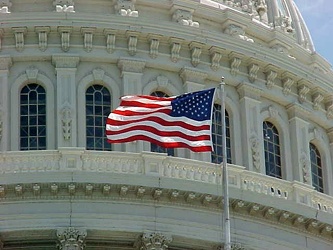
(64, 65)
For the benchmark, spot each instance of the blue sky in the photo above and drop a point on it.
(318, 15)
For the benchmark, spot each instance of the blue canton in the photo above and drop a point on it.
(196, 106)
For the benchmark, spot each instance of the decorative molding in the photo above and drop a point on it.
(1, 122)
(1, 37)
(32, 74)
(64, 6)
(110, 39)
(317, 98)
(42, 36)
(98, 75)
(250, 91)
(192, 75)
(184, 17)
(287, 81)
(155, 241)
(196, 49)
(66, 121)
(253, 72)
(132, 41)
(255, 149)
(87, 38)
(60, 61)
(271, 74)
(176, 45)
(129, 65)
(215, 55)
(305, 165)
(154, 44)
(237, 32)
(5, 62)
(303, 90)
(273, 112)
(65, 33)
(5, 6)
(329, 107)
(19, 33)
(235, 61)
(126, 8)
(71, 239)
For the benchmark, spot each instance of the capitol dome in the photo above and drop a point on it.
(66, 63)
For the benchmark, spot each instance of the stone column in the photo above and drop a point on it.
(193, 80)
(131, 73)
(299, 143)
(71, 239)
(251, 128)
(66, 106)
(5, 63)
(155, 241)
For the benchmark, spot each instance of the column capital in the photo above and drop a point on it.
(249, 91)
(297, 111)
(71, 238)
(193, 75)
(155, 241)
(5, 62)
(131, 65)
(68, 61)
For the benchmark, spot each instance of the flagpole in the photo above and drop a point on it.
(227, 243)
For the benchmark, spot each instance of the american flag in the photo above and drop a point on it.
(172, 122)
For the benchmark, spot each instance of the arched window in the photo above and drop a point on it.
(33, 117)
(217, 135)
(154, 147)
(98, 107)
(272, 150)
(316, 168)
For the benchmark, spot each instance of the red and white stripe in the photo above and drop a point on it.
(148, 118)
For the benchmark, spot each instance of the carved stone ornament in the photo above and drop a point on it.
(253, 72)
(238, 32)
(215, 55)
(303, 90)
(135, 66)
(154, 44)
(329, 109)
(317, 98)
(271, 76)
(87, 38)
(32, 74)
(273, 112)
(255, 149)
(4, 6)
(19, 38)
(98, 75)
(184, 17)
(132, 39)
(64, 6)
(175, 49)
(192, 75)
(66, 121)
(155, 241)
(42, 37)
(126, 8)
(287, 83)
(305, 164)
(65, 33)
(71, 238)
(110, 40)
(234, 65)
(196, 49)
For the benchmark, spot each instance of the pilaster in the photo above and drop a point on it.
(299, 143)
(66, 99)
(131, 73)
(329, 180)
(194, 80)
(5, 64)
(251, 127)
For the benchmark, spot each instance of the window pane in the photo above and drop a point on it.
(33, 117)
(217, 135)
(272, 150)
(316, 168)
(98, 107)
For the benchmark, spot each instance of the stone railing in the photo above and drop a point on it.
(160, 165)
